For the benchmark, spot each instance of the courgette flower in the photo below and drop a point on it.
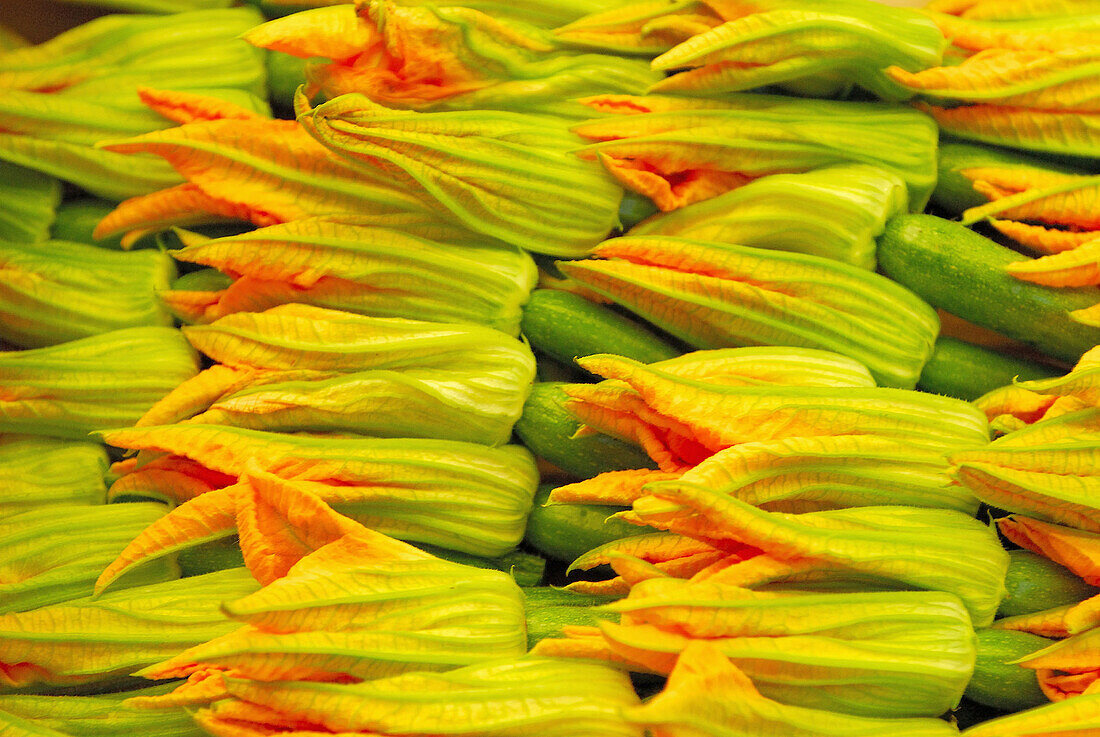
(842, 210)
(28, 201)
(36, 570)
(445, 58)
(1046, 470)
(677, 151)
(873, 654)
(55, 291)
(1033, 99)
(682, 420)
(97, 641)
(240, 165)
(1009, 10)
(63, 96)
(708, 696)
(298, 367)
(507, 175)
(41, 472)
(108, 380)
(858, 548)
(458, 496)
(416, 270)
(718, 295)
(545, 696)
(799, 474)
(24, 715)
(823, 47)
(341, 602)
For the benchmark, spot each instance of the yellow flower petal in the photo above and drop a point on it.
(1077, 268)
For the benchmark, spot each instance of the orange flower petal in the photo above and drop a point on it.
(280, 523)
(196, 394)
(1044, 240)
(207, 517)
(1077, 268)
(332, 33)
(189, 107)
(612, 487)
(1066, 132)
(1077, 550)
(1046, 623)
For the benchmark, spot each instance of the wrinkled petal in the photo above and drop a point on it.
(1058, 132)
(1077, 268)
(36, 571)
(645, 28)
(707, 694)
(853, 42)
(1045, 623)
(207, 517)
(42, 472)
(1044, 240)
(542, 695)
(720, 416)
(280, 523)
(677, 143)
(715, 295)
(842, 210)
(1054, 33)
(89, 640)
(482, 169)
(1059, 80)
(56, 291)
(612, 487)
(1044, 470)
(1002, 10)
(1066, 199)
(908, 547)
(1077, 550)
(382, 272)
(108, 380)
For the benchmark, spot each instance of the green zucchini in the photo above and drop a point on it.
(203, 280)
(634, 209)
(549, 610)
(997, 682)
(527, 569)
(1035, 583)
(567, 531)
(546, 427)
(955, 269)
(967, 371)
(564, 326)
(285, 74)
(76, 219)
(216, 555)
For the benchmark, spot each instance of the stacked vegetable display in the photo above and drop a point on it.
(551, 368)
